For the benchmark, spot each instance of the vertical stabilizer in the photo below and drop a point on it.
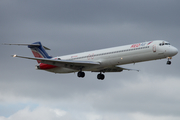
(38, 50)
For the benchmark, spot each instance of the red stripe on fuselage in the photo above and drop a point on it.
(46, 66)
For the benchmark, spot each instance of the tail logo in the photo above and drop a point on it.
(37, 54)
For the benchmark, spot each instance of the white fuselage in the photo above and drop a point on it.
(121, 55)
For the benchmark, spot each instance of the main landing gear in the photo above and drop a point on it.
(100, 76)
(169, 62)
(81, 74)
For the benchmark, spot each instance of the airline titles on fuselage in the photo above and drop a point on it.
(140, 44)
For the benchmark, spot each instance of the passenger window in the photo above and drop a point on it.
(160, 44)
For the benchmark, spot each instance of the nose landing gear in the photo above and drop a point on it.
(169, 62)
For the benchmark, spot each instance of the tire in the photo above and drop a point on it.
(100, 76)
(168, 62)
(81, 74)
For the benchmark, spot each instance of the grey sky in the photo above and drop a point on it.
(69, 26)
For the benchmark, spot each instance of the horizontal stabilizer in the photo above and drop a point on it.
(46, 48)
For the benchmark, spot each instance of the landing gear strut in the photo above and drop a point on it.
(169, 62)
(100, 76)
(81, 74)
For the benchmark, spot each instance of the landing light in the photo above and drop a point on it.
(14, 55)
(169, 57)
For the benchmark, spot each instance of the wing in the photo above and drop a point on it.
(74, 64)
(63, 63)
(114, 69)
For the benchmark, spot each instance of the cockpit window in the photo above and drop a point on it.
(167, 43)
(161, 44)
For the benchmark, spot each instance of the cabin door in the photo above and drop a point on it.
(154, 48)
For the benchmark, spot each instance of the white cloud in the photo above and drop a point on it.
(58, 112)
(47, 113)
(40, 113)
(154, 95)
(140, 116)
(93, 116)
(147, 94)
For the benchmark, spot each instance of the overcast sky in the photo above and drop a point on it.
(72, 26)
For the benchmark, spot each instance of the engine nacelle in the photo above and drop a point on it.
(43, 66)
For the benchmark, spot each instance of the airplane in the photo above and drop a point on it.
(101, 61)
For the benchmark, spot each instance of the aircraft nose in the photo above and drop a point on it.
(174, 51)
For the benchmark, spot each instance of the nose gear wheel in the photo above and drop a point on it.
(169, 62)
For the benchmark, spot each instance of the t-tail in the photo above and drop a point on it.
(37, 49)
